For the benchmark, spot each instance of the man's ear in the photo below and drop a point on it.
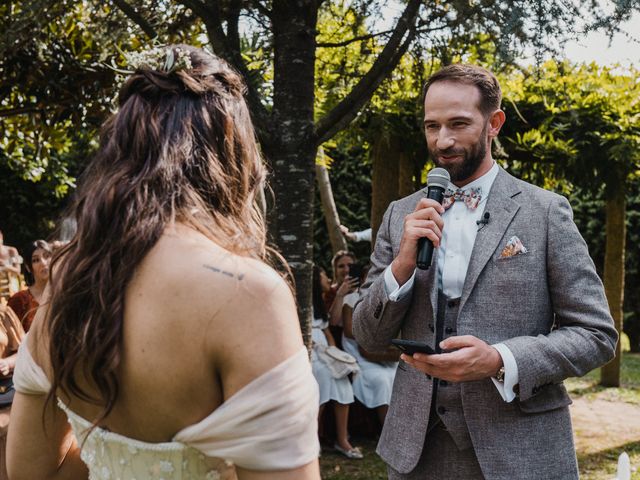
(496, 120)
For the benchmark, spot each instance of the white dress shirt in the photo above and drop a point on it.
(452, 261)
(363, 235)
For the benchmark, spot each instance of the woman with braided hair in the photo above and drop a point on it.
(169, 345)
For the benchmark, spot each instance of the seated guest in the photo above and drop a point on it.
(11, 334)
(373, 385)
(10, 262)
(333, 389)
(37, 256)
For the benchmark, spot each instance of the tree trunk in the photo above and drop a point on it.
(406, 169)
(384, 178)
(292, 153)
(614, 271)
(328, 205)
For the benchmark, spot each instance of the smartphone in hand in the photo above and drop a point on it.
(411, 346)
(355, 271)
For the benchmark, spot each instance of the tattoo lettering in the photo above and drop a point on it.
(224, 272)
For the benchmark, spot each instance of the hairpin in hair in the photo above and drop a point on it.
(161, 58)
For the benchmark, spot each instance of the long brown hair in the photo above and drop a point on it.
(181, 148)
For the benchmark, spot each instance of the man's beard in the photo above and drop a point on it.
(471, 159)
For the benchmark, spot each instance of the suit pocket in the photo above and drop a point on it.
(513, 257)
(550, 398)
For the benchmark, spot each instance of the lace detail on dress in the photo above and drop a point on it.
(110, 456)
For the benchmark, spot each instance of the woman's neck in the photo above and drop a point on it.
(36, 289)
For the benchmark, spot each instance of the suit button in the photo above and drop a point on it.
(431, 327)
(441, 410)
(449, 330)
(443, 383)
(535, 390)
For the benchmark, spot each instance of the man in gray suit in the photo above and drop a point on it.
(511, 303)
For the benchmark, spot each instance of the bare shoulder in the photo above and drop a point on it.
(217, 290)
(193, 269)
(266, 305)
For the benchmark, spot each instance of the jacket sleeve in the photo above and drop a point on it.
(584, 336)
(376, 318)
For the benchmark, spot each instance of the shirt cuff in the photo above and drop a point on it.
(395, 291)
(363, 235)
(511, 377)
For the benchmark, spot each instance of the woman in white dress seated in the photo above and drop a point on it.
(169, 348)
(374, 384)
(338, 391)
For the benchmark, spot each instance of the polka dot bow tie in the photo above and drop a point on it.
(471, 198)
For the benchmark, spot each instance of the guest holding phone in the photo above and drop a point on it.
(343, 285)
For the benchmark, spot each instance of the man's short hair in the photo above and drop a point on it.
(485, 81)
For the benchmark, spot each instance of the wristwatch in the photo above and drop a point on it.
(500, 375)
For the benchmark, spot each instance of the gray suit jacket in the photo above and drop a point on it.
(547, 305)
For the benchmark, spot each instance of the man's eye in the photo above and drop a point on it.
(460, 124)
(431, 127)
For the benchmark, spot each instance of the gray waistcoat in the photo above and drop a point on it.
(448, 401)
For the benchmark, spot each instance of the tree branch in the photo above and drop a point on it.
(229, 49)
(138, 19)
(351, 40)
(10, 112)
(348, 108)
(260, 7)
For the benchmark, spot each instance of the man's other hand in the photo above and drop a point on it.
(468, 358)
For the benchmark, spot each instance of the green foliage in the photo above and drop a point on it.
(576, 129)
(589, 214)
(56, 89)
(340, 67)
(578, 123)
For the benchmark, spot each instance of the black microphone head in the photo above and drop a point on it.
(438, 177)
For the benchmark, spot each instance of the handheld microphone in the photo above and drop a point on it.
(484, 220)
(437, 183)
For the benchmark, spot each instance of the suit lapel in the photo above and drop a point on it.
(502, 209)
(427, 279)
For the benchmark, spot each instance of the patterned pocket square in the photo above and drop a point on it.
(514, 247)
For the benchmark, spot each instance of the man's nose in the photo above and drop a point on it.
(445, 139)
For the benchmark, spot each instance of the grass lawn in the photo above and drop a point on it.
(597, 458)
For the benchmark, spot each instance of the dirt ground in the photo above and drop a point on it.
(601, 424)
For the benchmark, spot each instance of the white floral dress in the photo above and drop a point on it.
(270, 424)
